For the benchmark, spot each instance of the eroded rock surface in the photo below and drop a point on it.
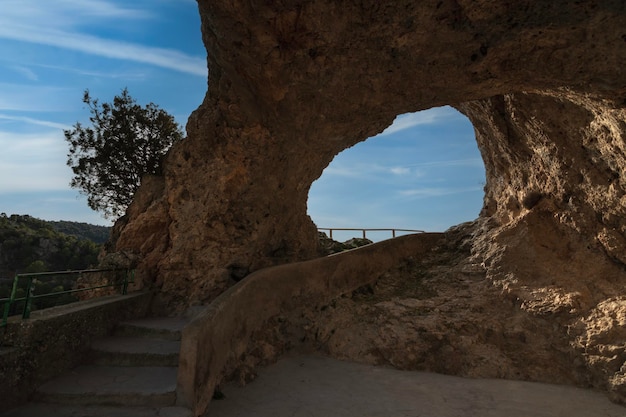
(291, 84)
(445, 312)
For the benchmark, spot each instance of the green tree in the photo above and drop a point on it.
(36, 266)
(124, 142)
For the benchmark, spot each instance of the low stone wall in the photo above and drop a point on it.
(215, 341)
(57, 339)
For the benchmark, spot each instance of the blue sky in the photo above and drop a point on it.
(424, 172)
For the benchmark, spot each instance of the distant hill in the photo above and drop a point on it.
(28, 244)
(97, 234)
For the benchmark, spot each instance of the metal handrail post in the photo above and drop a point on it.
(29, 298)
(125, 283)
(7, 307)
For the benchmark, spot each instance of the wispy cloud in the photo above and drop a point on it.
(56, 23)
(24, 97)
(34, 121)
(56, 205)
(25, 72)
(344, 171)
(67, 12)
(31, 162)
(99, 8)
(477, 162)
(134, 74)
(436, 192)
(400, 170)
(430, 116)
(363, 171)
(368, 171)
(165, 58)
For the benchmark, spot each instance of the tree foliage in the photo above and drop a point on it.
(124, 142)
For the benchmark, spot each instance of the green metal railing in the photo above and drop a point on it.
(32, 279)
(364, 231)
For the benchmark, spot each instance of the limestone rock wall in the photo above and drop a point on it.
(551, 234)
(291, 84)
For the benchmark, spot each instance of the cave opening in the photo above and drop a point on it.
(424, 172)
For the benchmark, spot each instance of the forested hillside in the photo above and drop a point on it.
(28, 244)
(97, 234)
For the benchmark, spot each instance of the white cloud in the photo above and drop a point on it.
(357, 170)
(436, 192)
(477, 162)
(425, 117)
(400, 170)
(348, 169)
(55, 23)
(64, 13)
(161, 57)
(23, 97)
(180, 1)
(344, 171)
(33, 162)
(33, 121)
(97, 8)
(25, 72)
(27, 146)
(126, 75)
(59, 205)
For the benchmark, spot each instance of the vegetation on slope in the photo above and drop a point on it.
(28, 245)
(86, 231)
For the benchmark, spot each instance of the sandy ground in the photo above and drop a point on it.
(311, 386)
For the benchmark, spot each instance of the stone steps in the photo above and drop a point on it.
(112, 385)
(135, 351)
(132, 373)
(168, 328)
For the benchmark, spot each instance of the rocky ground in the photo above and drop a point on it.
(533, 302)
(442, 314)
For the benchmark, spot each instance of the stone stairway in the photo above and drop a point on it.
(132, 374)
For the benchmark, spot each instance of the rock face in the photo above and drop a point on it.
(292, 84)
(448, 312)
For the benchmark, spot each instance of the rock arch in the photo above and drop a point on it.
(291, 84)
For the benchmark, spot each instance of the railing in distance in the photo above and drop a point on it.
(32, 279)
(364, 231)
